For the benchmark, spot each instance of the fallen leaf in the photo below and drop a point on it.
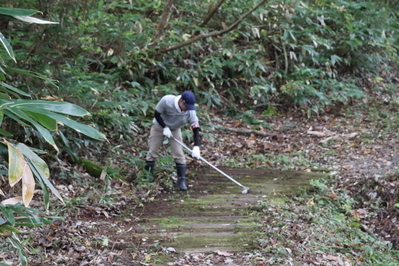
(321, 134)
(269, 146)
(238, 123)
(332, 196)
(365, 151)
(350, 135)
(331, 257)
(224, 253)
(252, 138)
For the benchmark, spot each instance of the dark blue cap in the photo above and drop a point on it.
(189, 99)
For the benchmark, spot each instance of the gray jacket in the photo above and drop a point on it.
(172, 115)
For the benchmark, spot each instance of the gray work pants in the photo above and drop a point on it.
(155, 142)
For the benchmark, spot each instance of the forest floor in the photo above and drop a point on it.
(112, 222)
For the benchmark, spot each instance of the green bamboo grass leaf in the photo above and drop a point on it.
(10, 114)
(17, 11)
(6, 96)
(7, 46)
(58, 107)
(32, 157)
(20, 248)
(8, 214)
(5, 133)
(8, 228)
(42, 130)
(46, 194)
(30, 74)
(1, 117)
(2, 221)
(13, 89)
(45, 180)
(27, 222)
(45, 134)
(16, 164)
(79, 127)
(44, 120)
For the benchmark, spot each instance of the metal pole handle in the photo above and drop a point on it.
(245, 189)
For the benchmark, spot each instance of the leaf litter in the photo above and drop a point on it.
(355, 147)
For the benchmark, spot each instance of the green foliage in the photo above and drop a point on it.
(26, 217)
(17, 216)
(311, 54)
(22, 162)
(324, 221)
(107, 58)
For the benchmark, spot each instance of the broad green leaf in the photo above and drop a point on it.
(1, 117)
(27, 222)
(5, 133)
(45, 134)
(14, 117)
(23, 211)
(5, 233)
(20, 247)
(58, 107)
(34, 159)
(7, 46)
(45, 180)
(28, 185)
(31, 74)
(42, 130)
(2, 221)
(44, 120)
(82, 128)
(17, 11)
(4, 153)
(8, 215)
(34, 20)
(46, 194)
(12, 88)
(8, 228)
(16, 164)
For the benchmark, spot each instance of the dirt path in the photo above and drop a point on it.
(213, 216)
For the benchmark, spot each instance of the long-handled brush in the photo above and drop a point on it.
(244, 188)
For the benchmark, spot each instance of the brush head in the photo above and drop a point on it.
(245, 190)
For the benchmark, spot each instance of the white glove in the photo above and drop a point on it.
(167, 132)
(196, 152)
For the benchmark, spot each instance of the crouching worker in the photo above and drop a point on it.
(171, 113)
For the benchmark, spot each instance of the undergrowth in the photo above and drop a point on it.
(319, 223)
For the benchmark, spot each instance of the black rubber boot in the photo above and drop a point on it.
(149, 170)
(181, 176)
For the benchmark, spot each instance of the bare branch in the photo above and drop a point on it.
(212, 12)
(212, 34)
(164, 19)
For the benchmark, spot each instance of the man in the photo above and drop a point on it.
(171, 113)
